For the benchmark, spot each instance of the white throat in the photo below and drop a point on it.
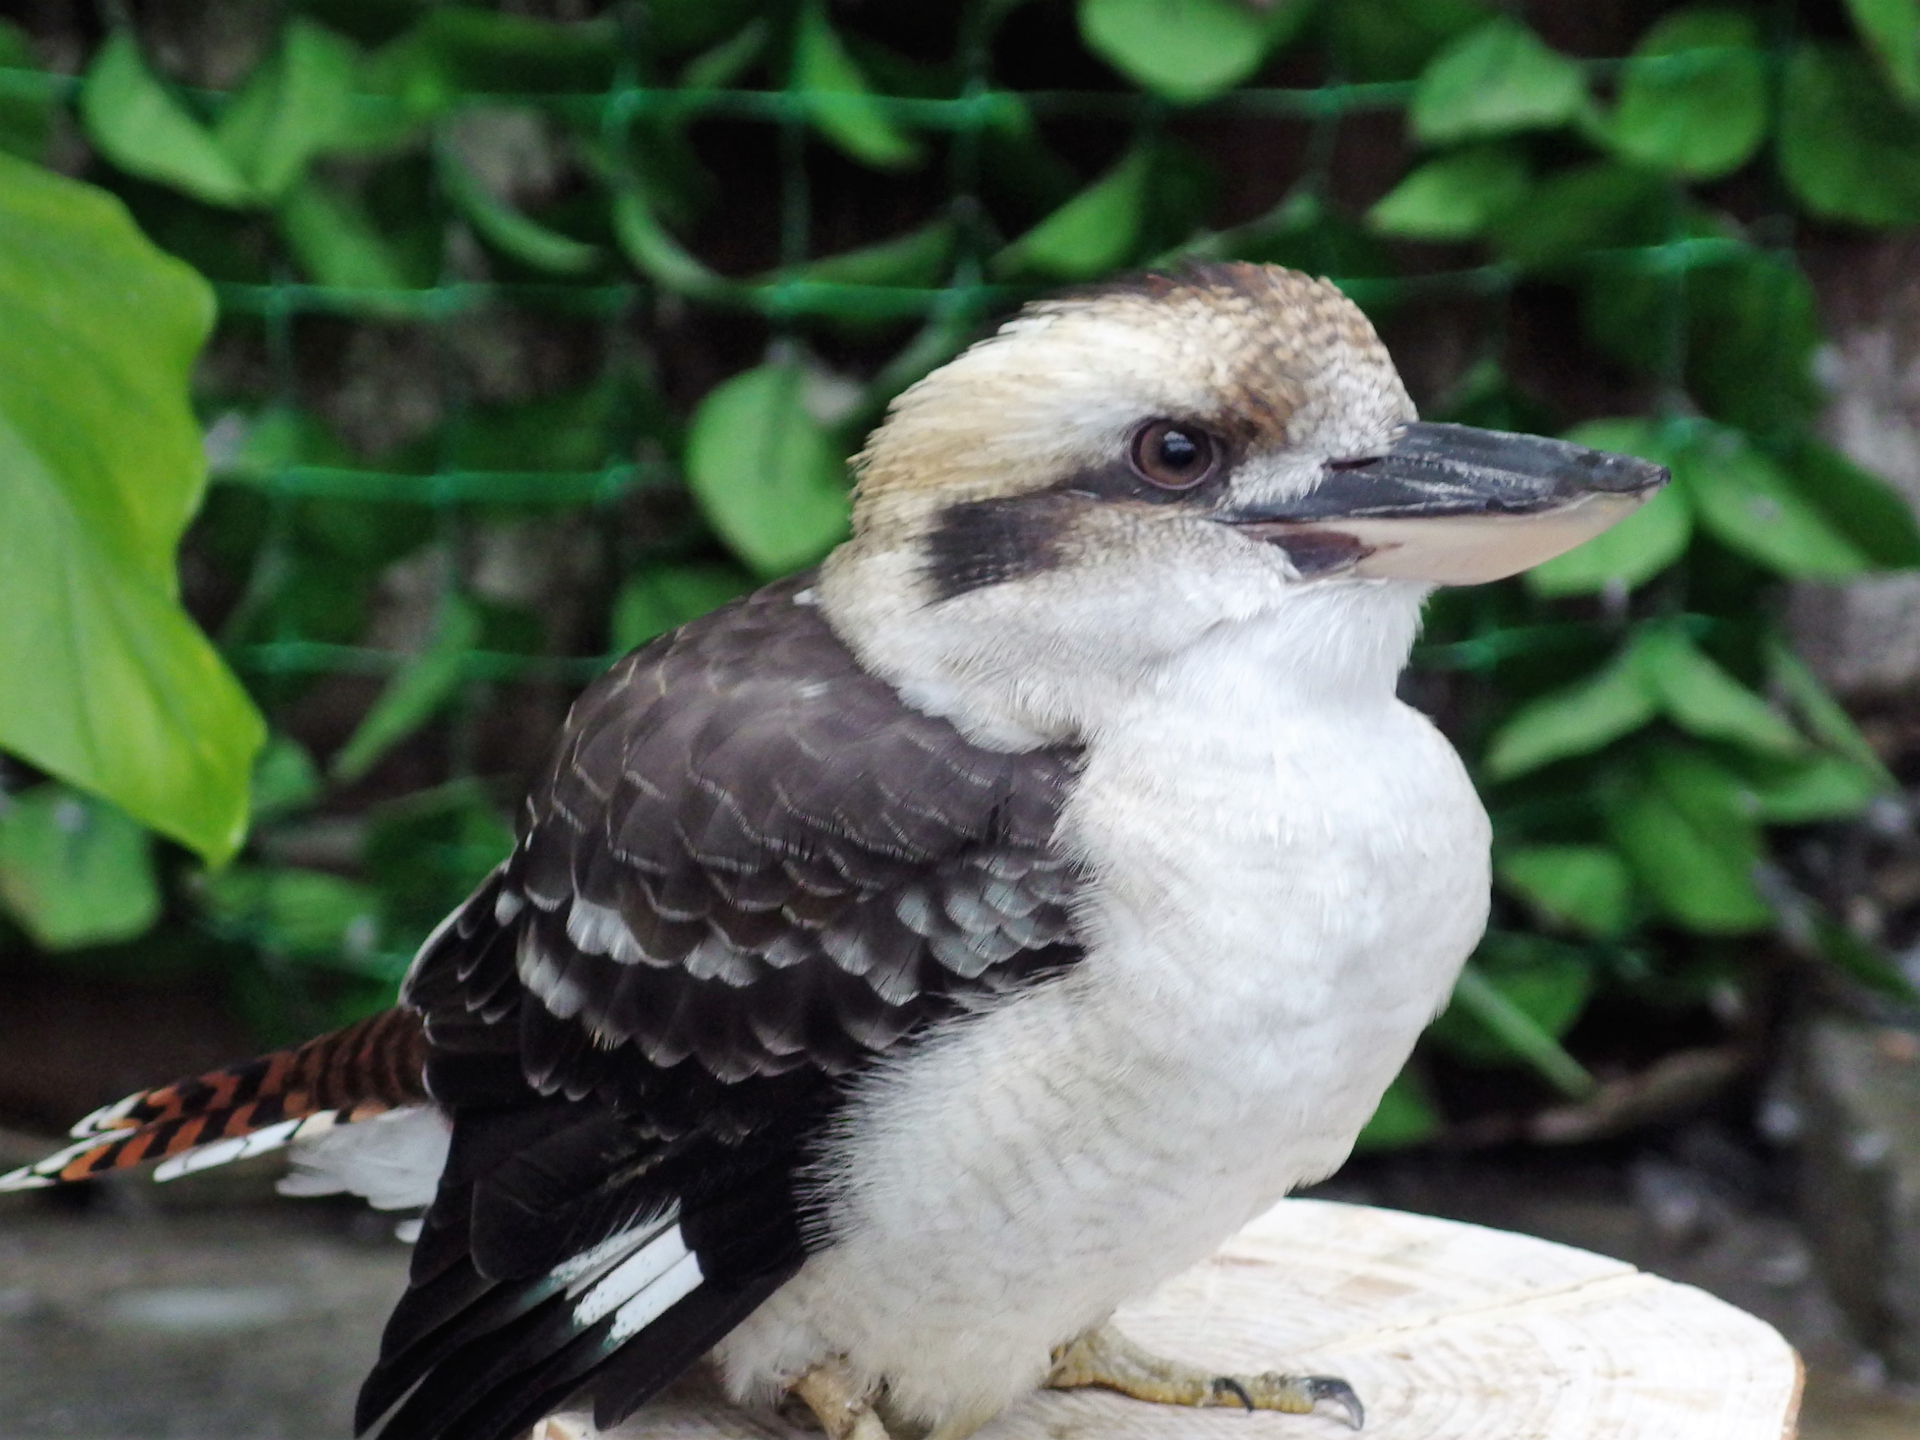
(1057, 660)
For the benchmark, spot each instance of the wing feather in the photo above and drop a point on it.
(749, 872)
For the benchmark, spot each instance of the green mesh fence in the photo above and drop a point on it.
(1557, 185)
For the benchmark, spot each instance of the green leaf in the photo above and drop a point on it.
(275, 438)
(1393, 39)
(415, 693)
(1891, 30)
(764, 472)
(1693, 99)
(1187, 49)
(679, 27)
(917, 258)
(335, 243)
(1092, 232)
(1839, 946)
(1751, 332)
(1813, 788)
(26, 96)
(285, 779)
(1865, 509)
(568, 431)
(667, 597)
(293, 107)
(1405, 1116)
(110, 686)
(455, 51)
(1519, 1016)
(136, 122)
(302, 914)
(74, 870)
(1575, 721)
(428, 850)
(1702, 698)
(1741, 327)
(839, 103)
(657, 255)
(1823, 716)
(1455, 197)
(1585, 886)
(1574, 212)
(1847, 149)
(506, 228)
(1752, 506)
(1496, 80)
(1688, 829)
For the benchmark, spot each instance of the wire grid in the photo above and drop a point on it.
(963, 304)
(948, 314)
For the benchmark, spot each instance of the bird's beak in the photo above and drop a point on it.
(1452, 505)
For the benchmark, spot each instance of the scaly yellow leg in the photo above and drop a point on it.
(1106, 1358)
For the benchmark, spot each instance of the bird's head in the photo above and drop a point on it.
(1121, 474)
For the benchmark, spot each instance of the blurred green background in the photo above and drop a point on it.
(375, 370)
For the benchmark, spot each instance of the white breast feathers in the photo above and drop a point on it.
(1286, 882)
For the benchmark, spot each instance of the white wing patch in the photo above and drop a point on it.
(638, 1290)
(650, 1304)
(392, 1160)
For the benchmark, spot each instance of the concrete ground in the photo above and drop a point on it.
(204, 1311)
(251, 1325)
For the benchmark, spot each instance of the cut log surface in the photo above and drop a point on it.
(1446, 1331)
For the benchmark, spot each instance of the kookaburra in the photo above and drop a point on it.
(902, 967)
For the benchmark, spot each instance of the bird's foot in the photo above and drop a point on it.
(1106, 1358)
(841, 1404)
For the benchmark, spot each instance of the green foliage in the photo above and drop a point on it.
(1847, 148)
(1188, 49)
(295, 106)
(144, 128)
(1092, 233)
(1515, 1000)
(1578, 720)
(1455, 197)
(1392, 39)
(657, 600)
(841, 102)
(414, 694)
(74, 870)
(1693, 99)
(1891, 29)
(335, 243)
(765, 472)
(1495, 80)
(1754, 506)
(113, 688)
(1633, 716)
(1587, 888)
(26, 99)
(1405, 1116)
(524, 239)
(1682, 823)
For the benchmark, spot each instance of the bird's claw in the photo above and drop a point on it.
(1106, 1358)
(1334, 1391)
(1227, 1385)
(1292, 1394)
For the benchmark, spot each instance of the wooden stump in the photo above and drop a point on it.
(1447, 1331)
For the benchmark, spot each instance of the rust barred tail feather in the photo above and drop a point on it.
(351, 1074)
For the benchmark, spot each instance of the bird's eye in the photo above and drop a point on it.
(1171, 455)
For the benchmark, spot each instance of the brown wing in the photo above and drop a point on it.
(749, 871)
